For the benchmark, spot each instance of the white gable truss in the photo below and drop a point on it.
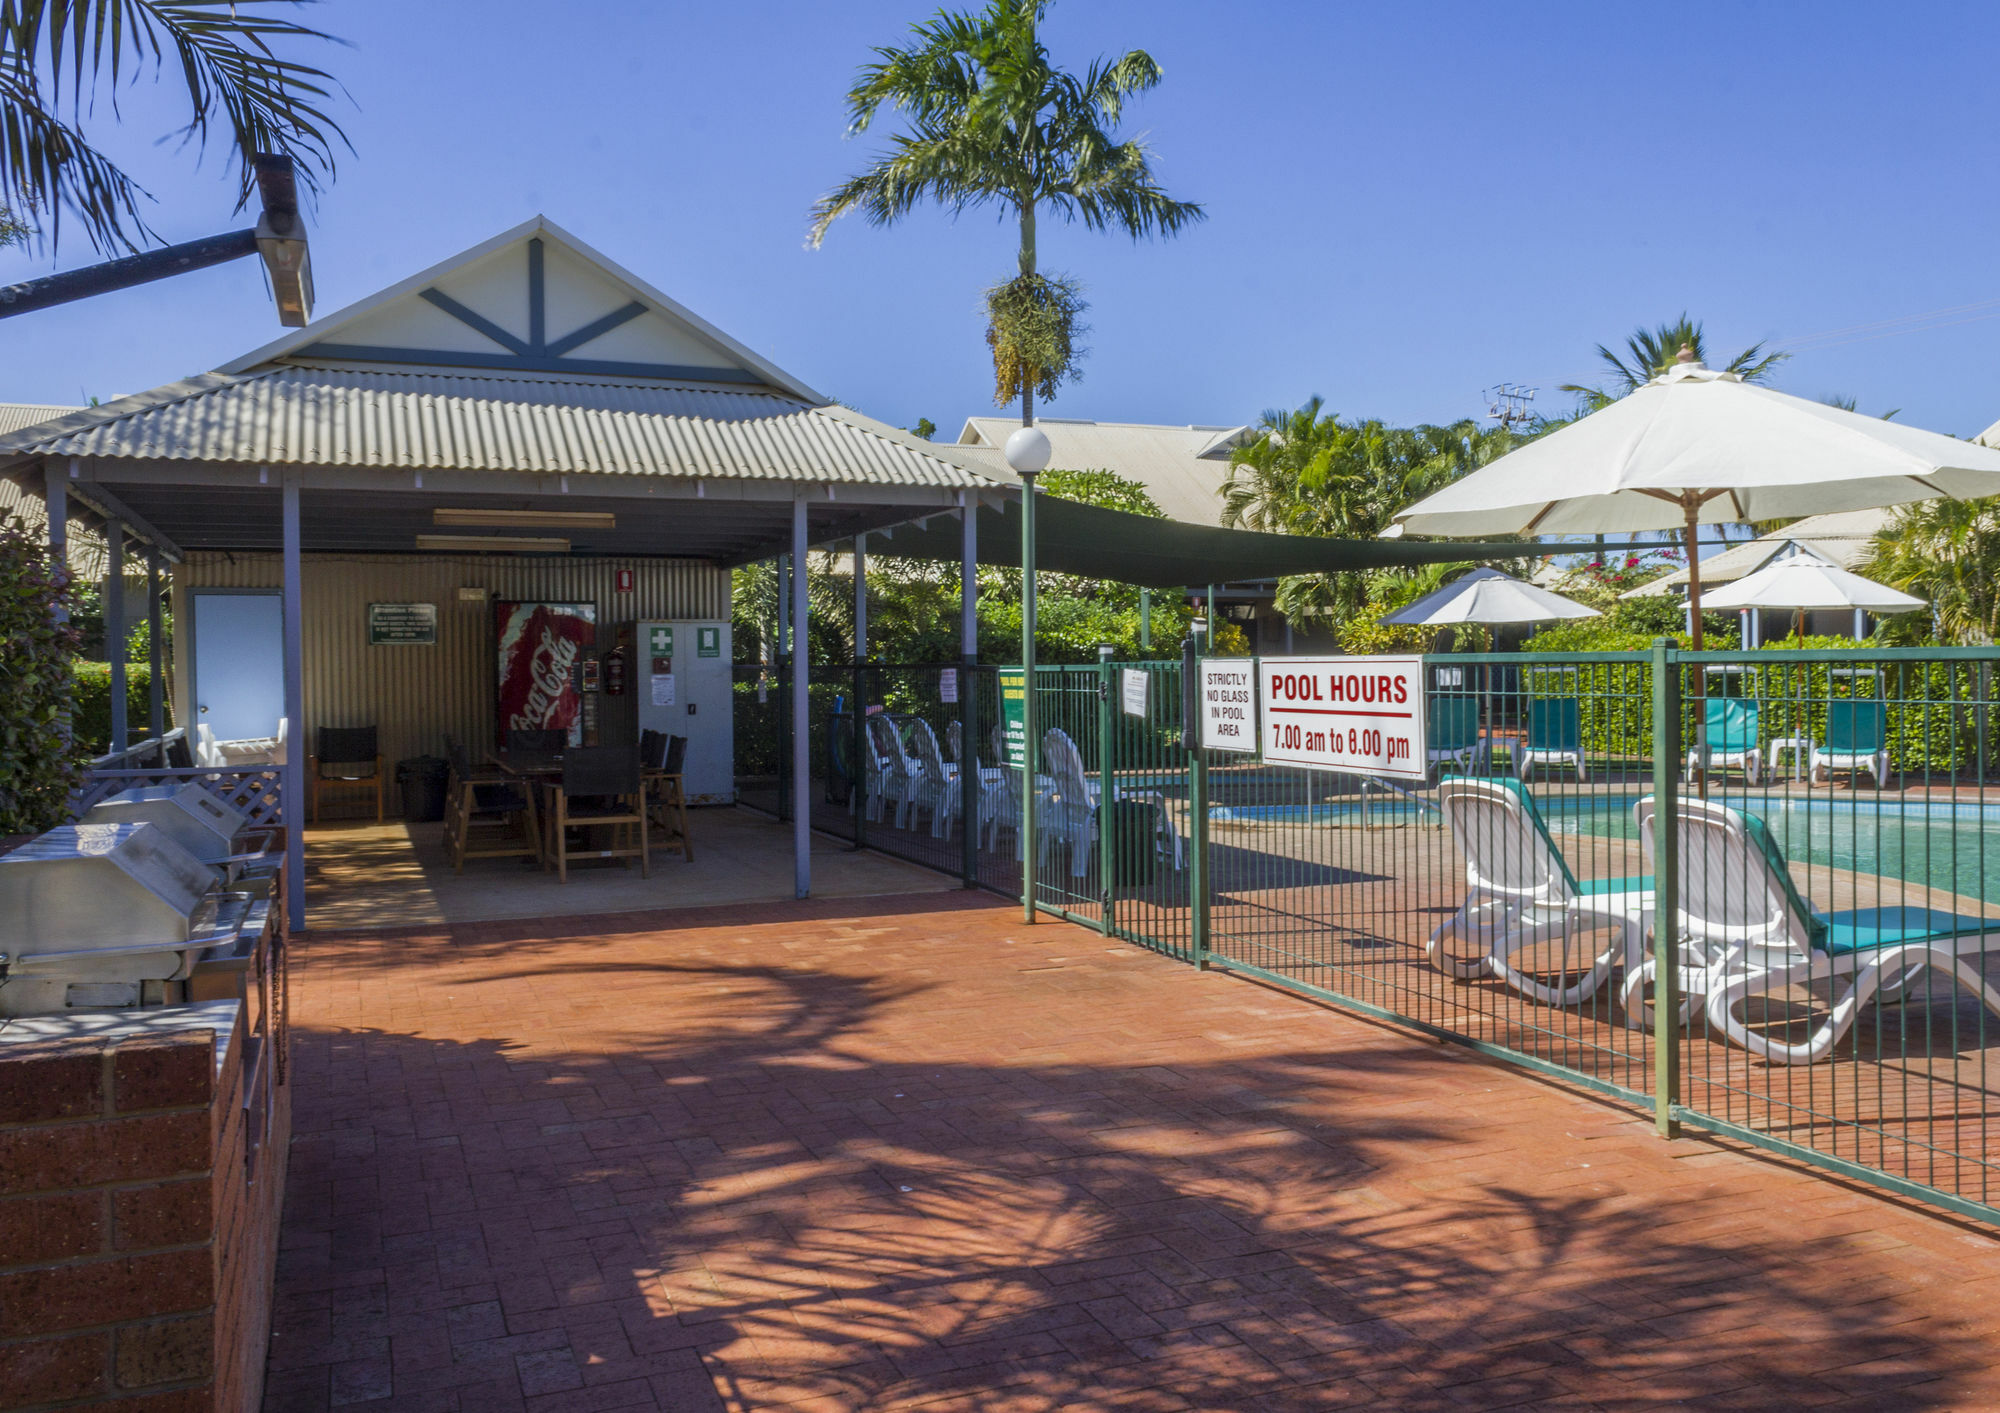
(534, 299)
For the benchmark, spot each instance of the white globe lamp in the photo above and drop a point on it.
(1028, 450)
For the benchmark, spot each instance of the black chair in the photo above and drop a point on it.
(537, 745)
(603, 787)
(653, 749)
(487, 803)
(345, 758)
(666, 795)
(179, 755)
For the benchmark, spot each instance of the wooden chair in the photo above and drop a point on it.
(602, 788)
(488, 814)
(666, 794)
(345, 758)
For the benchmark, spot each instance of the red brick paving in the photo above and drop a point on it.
(902, 1153)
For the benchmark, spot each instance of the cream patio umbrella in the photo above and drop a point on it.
(1806, 581)
(1486, 596)
(1698, 446)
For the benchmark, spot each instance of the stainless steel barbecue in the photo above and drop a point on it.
(213, 830)
(98, 915)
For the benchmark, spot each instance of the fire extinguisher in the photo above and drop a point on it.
(614, 673)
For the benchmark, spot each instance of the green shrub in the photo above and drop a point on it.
(38, 767)
(92, 722)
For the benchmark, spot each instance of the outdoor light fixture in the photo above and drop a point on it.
(508, 519)
(281, 240)
(479, 544)
(1028, 450)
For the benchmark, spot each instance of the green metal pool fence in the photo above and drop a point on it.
(1827, 860)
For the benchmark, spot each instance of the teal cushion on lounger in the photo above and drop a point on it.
(1595, 887)
(1868, 929)
(1760, 838)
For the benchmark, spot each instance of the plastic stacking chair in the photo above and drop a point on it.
(892, 774)
(1519, 891)
(1746, 933)
(1455, 732)
(1728, 737)
(1857, 734)
(602, 788)
(935, 784)
(345, 758)
(1555, 737)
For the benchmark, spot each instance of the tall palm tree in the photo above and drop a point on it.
(1653, 351)
(992, 122)
(59, 58)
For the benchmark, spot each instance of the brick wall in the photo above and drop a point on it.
(135, 1254)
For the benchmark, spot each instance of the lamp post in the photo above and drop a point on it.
(1028, 453)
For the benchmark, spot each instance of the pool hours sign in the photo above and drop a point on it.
(1361, 715)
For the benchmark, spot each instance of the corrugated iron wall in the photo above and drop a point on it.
(417, 695)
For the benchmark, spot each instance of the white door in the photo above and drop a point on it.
(239, 663)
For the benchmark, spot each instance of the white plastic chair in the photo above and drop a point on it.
(1068, 812)
(934, 786)
(1745, 932)
(893, 774)
(1520, 892)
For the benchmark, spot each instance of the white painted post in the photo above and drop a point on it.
(114, 630)
(55, 492)
(292, 772)
(1860, 624)
(801, 727)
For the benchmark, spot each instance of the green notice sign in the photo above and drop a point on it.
(661, 640)
(394, 624)
(708, 641)
(1013, 714)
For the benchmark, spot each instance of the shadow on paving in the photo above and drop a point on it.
(751, 1194)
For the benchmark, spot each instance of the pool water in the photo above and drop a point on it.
(1938, 844)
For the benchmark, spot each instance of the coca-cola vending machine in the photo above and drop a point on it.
(540, 647)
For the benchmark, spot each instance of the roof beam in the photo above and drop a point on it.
(112, 508)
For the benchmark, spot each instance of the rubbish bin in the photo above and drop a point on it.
(1135, 854)
(423, 781)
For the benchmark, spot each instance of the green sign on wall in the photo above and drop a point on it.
(395, 624)
(661, 640)
(708, 641)
(1013, 714)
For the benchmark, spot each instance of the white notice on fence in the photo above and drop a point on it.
(663, 689)
(948, 686)
(1228, 704)
(1360, 715)
(1135, 691)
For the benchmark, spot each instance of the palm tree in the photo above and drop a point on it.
(1947, 551)
(993, 123)
(1311, 473)
(58, 58)
(1653, 351)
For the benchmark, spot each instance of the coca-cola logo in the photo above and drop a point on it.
(549, 666)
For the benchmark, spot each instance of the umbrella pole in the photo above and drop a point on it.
(1691, 507)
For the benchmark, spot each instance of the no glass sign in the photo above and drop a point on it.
(1361, 715)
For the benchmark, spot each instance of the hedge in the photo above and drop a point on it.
(92, 714)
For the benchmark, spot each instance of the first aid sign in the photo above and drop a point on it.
(1358, 715)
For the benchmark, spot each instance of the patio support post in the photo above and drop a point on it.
(1209, 619)
(861, 597)
(115, 651)
(1146, 619)
(1106, 877)
(1197, 804)
(1031, 743)
(801, 734)
(55, 491)
(968, 714)
(1666, 889)
(292, 771)
(156, 687)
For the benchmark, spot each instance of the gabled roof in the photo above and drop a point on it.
(1181, 467)
(531, 299)
(528, 353)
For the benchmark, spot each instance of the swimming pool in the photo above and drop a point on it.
(1953, 845)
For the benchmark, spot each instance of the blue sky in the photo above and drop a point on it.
(1408, 203)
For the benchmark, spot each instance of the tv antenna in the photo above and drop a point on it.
(1507, 404)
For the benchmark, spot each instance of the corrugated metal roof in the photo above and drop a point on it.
(342, 415)
(1182, 468)
(87, 555)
